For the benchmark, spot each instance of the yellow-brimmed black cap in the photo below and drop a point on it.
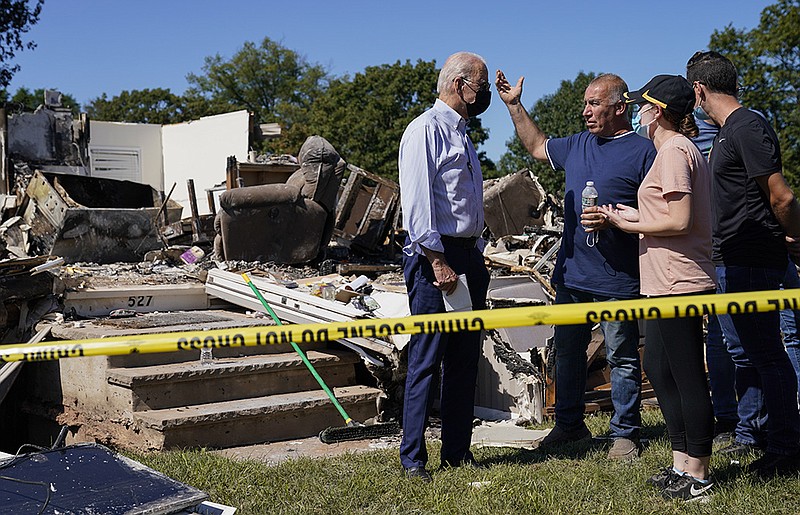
(671, 92)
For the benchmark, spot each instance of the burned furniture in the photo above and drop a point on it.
(275, 170)
(287, 223)
(91, 219)
(368, 210)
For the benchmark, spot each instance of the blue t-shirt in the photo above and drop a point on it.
(705, 140)
(617, 166)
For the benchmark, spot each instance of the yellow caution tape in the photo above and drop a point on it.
(561, 314)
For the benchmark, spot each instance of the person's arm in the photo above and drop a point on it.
(785, 207)
(677, 222)
(417, 169)
(782, 201)
(529, 133)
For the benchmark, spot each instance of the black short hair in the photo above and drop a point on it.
(714, 70)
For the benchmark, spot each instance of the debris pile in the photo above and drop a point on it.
(107, 255)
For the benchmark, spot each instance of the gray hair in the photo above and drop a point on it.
(460, 64)
(616, 86)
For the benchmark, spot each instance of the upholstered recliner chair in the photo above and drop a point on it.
(286, 223)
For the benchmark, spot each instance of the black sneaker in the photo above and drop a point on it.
(770, 465)
(664, 478)
(739, 449)
(687, 488)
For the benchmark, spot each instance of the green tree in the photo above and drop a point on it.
(16, 18)
(274, 83)
(365, 116)
(158, 106)
(558, 115)
(24, 99)
(768, 61)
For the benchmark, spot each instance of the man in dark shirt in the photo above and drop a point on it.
(593, 265)
(755, 218)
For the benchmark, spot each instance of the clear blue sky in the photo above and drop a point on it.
(89, 47)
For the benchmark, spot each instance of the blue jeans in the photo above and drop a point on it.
(790, 320)
(765, 379)
(622, 354)
(721, 373)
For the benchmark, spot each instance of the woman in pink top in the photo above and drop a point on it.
(674, 223)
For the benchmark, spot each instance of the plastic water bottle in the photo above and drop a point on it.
(589, 199)
(206, 356)
(588, 196)
(206, 353)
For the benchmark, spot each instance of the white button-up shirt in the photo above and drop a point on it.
(441, 187)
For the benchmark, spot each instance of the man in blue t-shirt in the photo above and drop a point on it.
(595, 262)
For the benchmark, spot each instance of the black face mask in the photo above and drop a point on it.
(482, 100)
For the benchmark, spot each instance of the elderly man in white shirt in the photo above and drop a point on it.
(442, 198)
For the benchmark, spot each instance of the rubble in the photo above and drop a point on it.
(262, 170)
(113, 257)
(48, 139)
(89, 219)
(367, 212)
(515, 201)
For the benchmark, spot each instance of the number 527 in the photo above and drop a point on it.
(140, 301)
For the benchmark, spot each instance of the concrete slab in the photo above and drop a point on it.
(99, 302)
(251, 421)
(148, 323)
(231, 410)
(507, 434)
(225, 379)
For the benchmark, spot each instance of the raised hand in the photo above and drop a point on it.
(509, 94)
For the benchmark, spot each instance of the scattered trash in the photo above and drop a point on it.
(122, 313)
(507, 434)
(193, 255)
(47, 266)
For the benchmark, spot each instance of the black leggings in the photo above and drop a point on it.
(673, 361)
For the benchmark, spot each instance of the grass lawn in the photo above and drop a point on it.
(571, 480)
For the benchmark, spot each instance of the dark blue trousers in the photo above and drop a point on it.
(454, 356)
